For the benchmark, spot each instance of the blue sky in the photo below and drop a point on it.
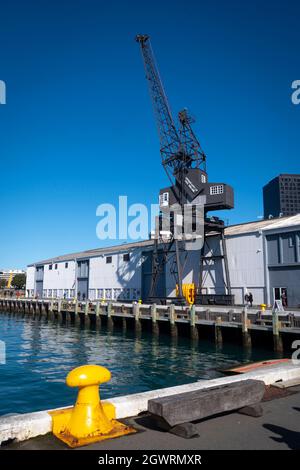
(78, 128)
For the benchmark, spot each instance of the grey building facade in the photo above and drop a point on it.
(263, 258)
(283, 264)
(281, 196)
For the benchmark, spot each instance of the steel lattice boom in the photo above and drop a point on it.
(179, 150)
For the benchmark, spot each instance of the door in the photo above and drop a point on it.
(39, 289)
(280, 293)
(82, 289)
(160, 290)
(82, 279)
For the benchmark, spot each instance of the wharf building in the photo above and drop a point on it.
(263, 258)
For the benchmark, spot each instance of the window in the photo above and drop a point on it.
(108, 259)
(134, 294)
(218, 189)
(55, 266)
(108, 294)
(55, 293)
(126, 257)
(50, 293)
(117, 293)
(100, 293)
(66, 265)
(203, 178)
(92, 294)
(50, 267)
(164, 199)
(291, 241)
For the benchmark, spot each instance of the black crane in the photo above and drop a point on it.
(185, 164)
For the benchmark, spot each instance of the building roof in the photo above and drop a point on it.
(269, 224)
(248, 227)
(95, 252)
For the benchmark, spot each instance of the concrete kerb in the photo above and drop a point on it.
(21, 427)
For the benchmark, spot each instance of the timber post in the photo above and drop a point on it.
(245, 328)
(137, 315)
(155, 327)
(193, 326)
(218, 331)
(277, 339)
(173, 326)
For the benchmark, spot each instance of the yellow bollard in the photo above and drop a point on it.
(263, 307)
(89, 420)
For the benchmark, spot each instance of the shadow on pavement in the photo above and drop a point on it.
(148, 422)
(290, 438)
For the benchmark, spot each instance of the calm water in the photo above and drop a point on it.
(39, 356)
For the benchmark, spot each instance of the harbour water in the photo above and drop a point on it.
(39, 354)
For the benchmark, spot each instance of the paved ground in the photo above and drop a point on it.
(278, 428)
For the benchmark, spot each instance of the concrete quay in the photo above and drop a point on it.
(20, 430)
(218, 321)
(277, 429)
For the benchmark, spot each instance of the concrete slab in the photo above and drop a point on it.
(277, 429)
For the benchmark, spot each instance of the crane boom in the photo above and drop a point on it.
(179, 149)
(168, 135)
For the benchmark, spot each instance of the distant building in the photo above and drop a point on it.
(8, 275)
(282, 196)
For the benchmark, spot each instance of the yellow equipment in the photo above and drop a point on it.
(188, 291)
(9, 281)
(89, 420)
(263, 307)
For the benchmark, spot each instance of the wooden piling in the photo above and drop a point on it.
(173, 326)
(218, 331)
(245, 328)
(193, 326)
(87, 318)
(277, 339)
(109, 311)
(155, 327)
(97, 312)
(136, 314)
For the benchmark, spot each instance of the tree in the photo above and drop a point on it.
(19, 281)
(3, 283)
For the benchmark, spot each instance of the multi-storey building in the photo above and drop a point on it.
(282, 196)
